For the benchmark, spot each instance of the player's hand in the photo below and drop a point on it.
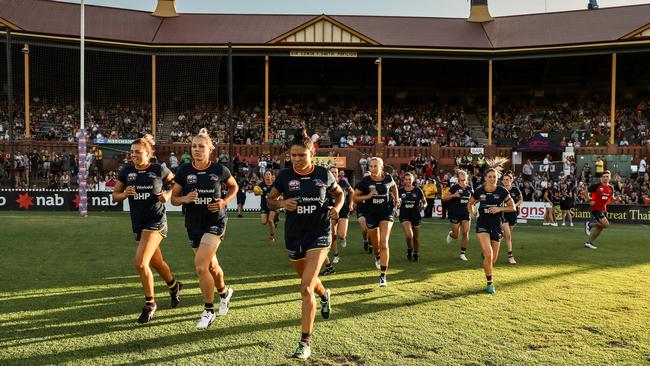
(351, 208)
(493, 210)
(457, 194)
(472, 213)
(398, 203)
(130, 191)
(191, 197)
(216, 205)
(290, 204)
(333, 214)
(373, 192)
(164, 196)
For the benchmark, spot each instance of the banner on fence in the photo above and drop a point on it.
(55, 200)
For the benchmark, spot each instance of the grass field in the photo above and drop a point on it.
(70, 295)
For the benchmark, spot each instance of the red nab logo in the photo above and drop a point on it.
(24, 201)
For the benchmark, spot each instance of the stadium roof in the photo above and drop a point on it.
(618, 25)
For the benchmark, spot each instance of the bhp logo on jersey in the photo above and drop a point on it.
(306, 210)
(202, 200)
(141, 196)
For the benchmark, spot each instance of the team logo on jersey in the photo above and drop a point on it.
(602, 189)
(496, 196)
(132, 176)
(294, 185)
(191, 179)
(403, 195)
(214, 177)
(152, 175)
(319, 183)
(483, 197)
(371, 187)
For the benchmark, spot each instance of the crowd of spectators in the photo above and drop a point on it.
(584, 123)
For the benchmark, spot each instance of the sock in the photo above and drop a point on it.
(415, 254)
(336, 254)
(329, 266)
(149, 300)
(489, 279)
(171, 283)
(343, 242)
(209, 306)
(383, 270)
(377, 257)
(324, 298)
(463, 250)
(305, 338)
(409, 251)
(223, 292)
(510, 254)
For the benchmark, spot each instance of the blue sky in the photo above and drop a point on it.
(431, 8)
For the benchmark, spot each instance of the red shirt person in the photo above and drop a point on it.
(601, 195)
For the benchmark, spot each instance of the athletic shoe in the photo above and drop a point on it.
(571, 224)
(409, 256)
(383, 282)
(416, 257)
(240, 215)
(147, 313)
(328, 271)
(302, 352)
(564, 224)
(590, 246)
(449, 238)
(546, 224)
(512, 260)
(207, 317)
(336, 259)
(271, 239)
(343, 242)
(491, 289)
(326, 306)
(587, 228)
(377, 264)
(365, 246)
(224, 302)
(462, 257)
(370, 250)
(175, 294)
(554, 224)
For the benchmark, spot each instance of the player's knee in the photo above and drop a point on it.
(604, 224)
(140, 266)
(307, 289)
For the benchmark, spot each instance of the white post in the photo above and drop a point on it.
(82, 63)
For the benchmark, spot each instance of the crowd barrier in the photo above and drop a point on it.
(68, 200)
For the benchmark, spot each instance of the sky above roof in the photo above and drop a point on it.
(427, 8)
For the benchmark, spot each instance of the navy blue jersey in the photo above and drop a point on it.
(487, 200)
(361, 206)
(381, 204)
(266, 189)
(515, 194)
(411, 201)
(458, 205)
(345, 186)
(207, 183)
(310, 219)
(148, 184)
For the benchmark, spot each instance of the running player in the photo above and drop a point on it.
(243, 185)
(142, 184)
(340, 226)
(491, 199)
(380, 194)
(510, 218)
(361, 218)
(601, 194)
(198, 189)
(458, 196)
(268, 216)
(307, 231)
(413, 201)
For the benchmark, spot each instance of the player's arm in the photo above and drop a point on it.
(448, 195)
(360, 197)
(275, 202)
(351, 195)
(395, 193)
(509, 207)
(519, 200)
(168, 184)
(122, 192)
(423, 200)
(219, 204)
(178, 198)
(470, 207)
(338, 195)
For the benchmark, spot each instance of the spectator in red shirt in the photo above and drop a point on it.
(601, 194)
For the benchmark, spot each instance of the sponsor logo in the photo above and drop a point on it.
(152, 175)
(214, 178)
(294, 185)
(319, 183)
(496, 196)
(306, 210)
(403, 195)
(141, 196)
(191, 179)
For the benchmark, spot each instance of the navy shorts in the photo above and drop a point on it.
(195, 233)
(496, 233)
(456, 218)
(159, 225)
(241, 198)
(414, 218)
(372, 221)
(510, 218)
(264, 210)
(344, 213)
(297, 249)
(598, 215)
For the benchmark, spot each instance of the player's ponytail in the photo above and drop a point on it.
(509, 173)
(301, 138)
(496, 165)
(147, 141)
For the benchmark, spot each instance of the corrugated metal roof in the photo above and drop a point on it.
(550, 29)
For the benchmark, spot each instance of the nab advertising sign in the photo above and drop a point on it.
(55, 200)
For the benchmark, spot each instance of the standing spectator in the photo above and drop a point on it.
(430, 191)
(643, 167)
(546, 163)
(600, 167)
(186, 158)
(527, 171)
(173, 162)
(363, 163)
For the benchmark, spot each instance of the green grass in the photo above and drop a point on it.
(70, 295)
